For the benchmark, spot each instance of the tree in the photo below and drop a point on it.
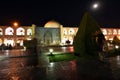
(85, 41)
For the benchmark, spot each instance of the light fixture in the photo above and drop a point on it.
(15, 24)
(116, 46)
(51, 52)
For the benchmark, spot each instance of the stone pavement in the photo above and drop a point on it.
(39, 68)
(77, 70)
(2, 57)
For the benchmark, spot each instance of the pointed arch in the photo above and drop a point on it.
(48, 37)
(1, 31)
(20, 31)
(29, 31)
(9, 31)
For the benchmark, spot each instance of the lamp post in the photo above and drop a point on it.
(51, 52)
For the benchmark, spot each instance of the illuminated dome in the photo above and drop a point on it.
(52, 24)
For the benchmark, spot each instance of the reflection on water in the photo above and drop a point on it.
(115, 66)
(23, 62)
(6, 53)
(62, 71)
(52, 64)
(15, 78)
(115, 62)
(20, 68)
(63, 49)
(118, 61)
(71, 49)
(31, 68)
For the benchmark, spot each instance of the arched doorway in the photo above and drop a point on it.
(48, 38)
(9, 42)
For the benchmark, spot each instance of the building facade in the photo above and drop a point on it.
(53, 33)
(48, 36)
(14, 35)
(68, 33)
(109, 33)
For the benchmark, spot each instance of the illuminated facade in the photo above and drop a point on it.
(68, 33)
(53, 33)
(13, 35)
(48, 36)
(109, 33)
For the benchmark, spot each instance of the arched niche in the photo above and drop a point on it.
(29, 31)
(20, 31)
(1, 31)
(9, 31)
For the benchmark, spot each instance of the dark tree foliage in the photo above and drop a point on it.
(86, 39)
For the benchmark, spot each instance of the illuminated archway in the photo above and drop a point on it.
(48, 37)
(0, 42)
(1, 31)
(104, 31)
(9, 31)
(29, 31)
(71, 31)
(8, 42)
(20, 31)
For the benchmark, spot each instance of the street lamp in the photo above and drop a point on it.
(51, 52)
(15, 24)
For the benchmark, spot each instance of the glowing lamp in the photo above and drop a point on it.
(15, 24)
(116, 46)
(51, 51)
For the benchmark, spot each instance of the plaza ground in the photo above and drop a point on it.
(39, 68)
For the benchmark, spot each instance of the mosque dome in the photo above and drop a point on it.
(52, 24)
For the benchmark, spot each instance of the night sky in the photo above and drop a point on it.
(67, 12)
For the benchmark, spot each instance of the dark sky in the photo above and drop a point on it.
(67, 12)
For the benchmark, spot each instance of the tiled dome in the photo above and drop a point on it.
(52, 24)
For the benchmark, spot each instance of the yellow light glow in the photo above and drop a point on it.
(50, 50)
(116, 46)
(15, 24)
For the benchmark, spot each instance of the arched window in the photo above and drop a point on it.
(29, 31)
(20, 31)
(9, 31)
(109, 31)
(104, 31)
(119, 32)
(114, 31)
(1, 31)
(71, 31)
